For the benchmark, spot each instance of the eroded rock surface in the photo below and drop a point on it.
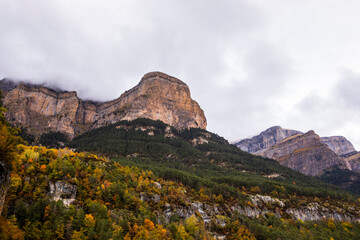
(354, 161)
(158, 96)
(63, 191)
(339, 144)
(305, 153)
(265, 139)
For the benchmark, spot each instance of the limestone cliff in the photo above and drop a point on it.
(265, 139)
(306, 154)
(158, 96)
(339, 144)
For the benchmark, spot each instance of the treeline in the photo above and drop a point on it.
(220, 167)
(110, 204)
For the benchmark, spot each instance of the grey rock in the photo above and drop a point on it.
(265, 139)
(63, 191)
(157, 185)
(305, 153)
(339, 144)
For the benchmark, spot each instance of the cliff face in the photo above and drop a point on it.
(157, 96)
(339, 144)
(354, 161)
(265, 140)
(306, 154)
(42, 109)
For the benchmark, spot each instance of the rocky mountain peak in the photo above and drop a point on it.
(158, 96)
(265, 139)
(339, 144)
(161, 76)
(306, 154)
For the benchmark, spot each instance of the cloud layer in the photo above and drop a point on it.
(249, 64)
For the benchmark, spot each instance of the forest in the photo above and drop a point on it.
(148, 186)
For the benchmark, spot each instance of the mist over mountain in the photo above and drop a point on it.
(42, 109)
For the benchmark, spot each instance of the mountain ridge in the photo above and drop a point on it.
(158, 96)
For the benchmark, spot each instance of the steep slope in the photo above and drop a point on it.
(158, 96)
(339, 144)
(60, 194)
(195, 157)
(354, 161)
(265, 139)
(305, 153)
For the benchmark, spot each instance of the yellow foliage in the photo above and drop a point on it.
(15, 181)
(30, 154)
(331, 224)
(89, 221)
(149, 225)
(8, 230)
(255, 189)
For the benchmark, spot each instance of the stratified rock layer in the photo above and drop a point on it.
(305, 153)
(339, 144)
(265, 140)
(354, 160)
(158, 96)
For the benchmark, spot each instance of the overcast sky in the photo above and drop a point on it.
(249, 64)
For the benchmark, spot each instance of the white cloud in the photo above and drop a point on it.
(250, 64)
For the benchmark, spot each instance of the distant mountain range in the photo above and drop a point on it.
(305, 152)
(159, 169)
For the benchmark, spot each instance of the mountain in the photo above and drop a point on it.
(61, 194)
(154, 180)
(265, 139)
(339, 144)
(194, 157)
(272, 136)
(158, 96)
(331, 159)
(354, 161)
(305, 153)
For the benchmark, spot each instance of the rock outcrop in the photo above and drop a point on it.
(158, 96)
(265, 139)
(5, 183)
(339, 144)
(354, 161)
(63, 191)
(305, 153)
(261, 205)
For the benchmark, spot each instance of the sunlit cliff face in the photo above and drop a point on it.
(158, 96)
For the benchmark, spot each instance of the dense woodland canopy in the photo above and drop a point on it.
(115, 188)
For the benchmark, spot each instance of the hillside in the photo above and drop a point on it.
(60, 194)
(196, 158)
(332, 159)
